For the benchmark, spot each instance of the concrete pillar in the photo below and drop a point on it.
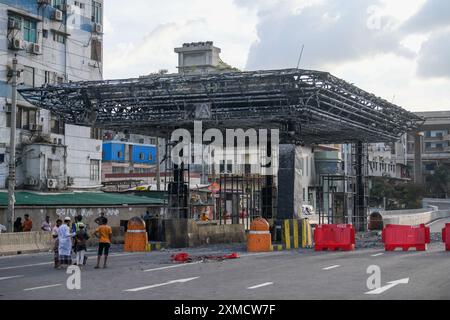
(418, 151)
(286, 181)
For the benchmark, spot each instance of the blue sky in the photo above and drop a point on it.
(397, 49)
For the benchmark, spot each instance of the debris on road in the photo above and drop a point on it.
(184, 257)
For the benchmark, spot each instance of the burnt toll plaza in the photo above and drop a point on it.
(209, 190)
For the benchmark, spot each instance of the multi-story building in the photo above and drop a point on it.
(55, 41)
(435, 142)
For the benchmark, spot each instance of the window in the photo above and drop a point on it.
(96, 50)
(56, 125)
(28, 76)
(53, 168)
(141, 156)
(25, 118)
(119, 154)
(2, 157)
(48, 77)
(45, 33)
(150, 157)
(29, 30)
(118, 170)
(95, 170)
(97, 14)
(58, 37)
(55, 3)
(27, 26)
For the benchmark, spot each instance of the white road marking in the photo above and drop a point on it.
(174, 266)
(43, 287)
(245, 255)
(7, 278)
(389, 286)
(27, 265)
(332, 267)
(260, 285)
(161, 284)
(377, 255)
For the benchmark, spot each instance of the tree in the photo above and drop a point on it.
(438, 184)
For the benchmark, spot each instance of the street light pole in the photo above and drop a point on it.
(12, 149)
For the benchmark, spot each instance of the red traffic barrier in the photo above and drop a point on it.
(406, 237)
(334, 237)
(446, 236)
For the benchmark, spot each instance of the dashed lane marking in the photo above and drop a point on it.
(7, 278)
(260, 285)
(377, 255)
(27, 265)
(171, 267)
(161, 284)
(331, 267)
(43, 287)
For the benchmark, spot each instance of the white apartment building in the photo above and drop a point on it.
(55, 41)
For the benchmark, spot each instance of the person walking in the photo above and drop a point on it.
(80, 244)
(65, 243)
(56, 242)
(46, 225)
(18, 225)
(27, 225)
(104, 233)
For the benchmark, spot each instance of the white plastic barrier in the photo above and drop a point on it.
(11, 243)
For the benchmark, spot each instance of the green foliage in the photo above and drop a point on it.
(399, 195)
(438, 184)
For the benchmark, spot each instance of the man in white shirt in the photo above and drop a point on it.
(65, 243)
(46, 225)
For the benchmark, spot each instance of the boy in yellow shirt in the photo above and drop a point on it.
(104, 233)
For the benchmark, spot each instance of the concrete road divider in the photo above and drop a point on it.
(446, 236)
(334, 237)
(25, 242)
(259, 238)
(136, 238)
(296, 234)
(406, 237)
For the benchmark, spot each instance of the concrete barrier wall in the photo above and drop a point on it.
(182, 233)
(412, 218)
(12, 243)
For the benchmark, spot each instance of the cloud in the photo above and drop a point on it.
(434, 56)
(333, 31)
(434, 14)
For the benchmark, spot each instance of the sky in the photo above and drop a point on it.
(396, 49)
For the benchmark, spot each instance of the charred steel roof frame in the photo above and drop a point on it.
(313, 106)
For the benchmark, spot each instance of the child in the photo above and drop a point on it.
(80, 244)
(104, 233)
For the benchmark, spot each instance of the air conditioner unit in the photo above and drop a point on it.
(35, 48)
(52, 183)
(17, 44)
(98, 28)
(58, 16)
(14, 24)
(44, 2)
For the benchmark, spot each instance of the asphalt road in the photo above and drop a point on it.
(291, 275)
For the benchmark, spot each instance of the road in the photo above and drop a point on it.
(437, 226)
(292, 275)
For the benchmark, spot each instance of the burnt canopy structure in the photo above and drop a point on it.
(307, 106)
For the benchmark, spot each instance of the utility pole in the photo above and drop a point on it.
(158, 167)
(12, 149)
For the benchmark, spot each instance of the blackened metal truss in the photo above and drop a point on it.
(308, 106)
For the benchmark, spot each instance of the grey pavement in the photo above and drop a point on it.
(291, 275)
